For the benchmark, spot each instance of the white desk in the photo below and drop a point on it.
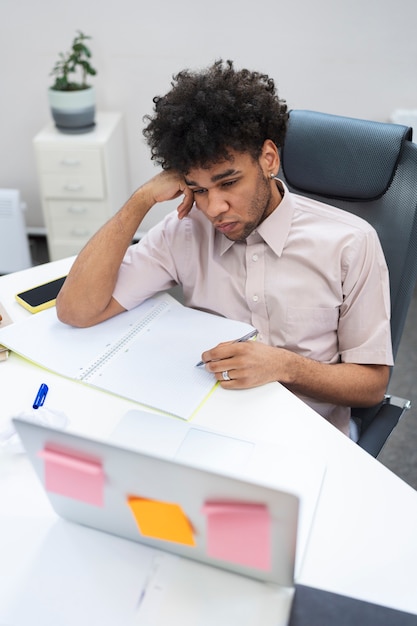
(363, 542)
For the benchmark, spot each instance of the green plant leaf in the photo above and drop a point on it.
(75, 60)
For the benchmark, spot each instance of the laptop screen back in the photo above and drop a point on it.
(217, 518)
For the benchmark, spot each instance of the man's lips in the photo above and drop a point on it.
(225, 227)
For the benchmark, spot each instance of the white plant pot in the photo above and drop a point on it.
(73, 111)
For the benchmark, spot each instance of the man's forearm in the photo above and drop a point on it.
(87, 292)
(86, 297)
(348, 384)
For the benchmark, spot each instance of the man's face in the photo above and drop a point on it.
(236, 194)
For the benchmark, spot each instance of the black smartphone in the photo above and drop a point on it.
(42, 296)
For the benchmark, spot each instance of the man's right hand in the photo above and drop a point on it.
(168, 185)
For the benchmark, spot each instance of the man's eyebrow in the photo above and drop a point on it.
(226, 174)
(215, 178)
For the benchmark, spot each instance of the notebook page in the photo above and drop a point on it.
(147, 355)
(159, 367)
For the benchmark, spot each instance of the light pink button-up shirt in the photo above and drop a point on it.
(311, 278)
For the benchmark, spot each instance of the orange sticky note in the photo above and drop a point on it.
(239, 533)
(74, 476)
(161, 520)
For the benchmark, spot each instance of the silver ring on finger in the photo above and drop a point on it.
(226, 376)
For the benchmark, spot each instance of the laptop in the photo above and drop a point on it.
(183, 489)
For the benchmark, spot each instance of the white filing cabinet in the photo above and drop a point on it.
(83, 181)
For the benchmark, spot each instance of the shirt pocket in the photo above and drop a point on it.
(312, 332)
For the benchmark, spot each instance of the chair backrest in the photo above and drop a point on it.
(370, 169)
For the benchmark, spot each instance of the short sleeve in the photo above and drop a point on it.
(364, 325)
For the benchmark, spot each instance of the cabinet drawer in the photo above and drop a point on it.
(68, 161)
(62, 248)
(75, 186)
(78, 231)
(77, 211)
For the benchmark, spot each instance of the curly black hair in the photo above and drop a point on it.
(207, 113)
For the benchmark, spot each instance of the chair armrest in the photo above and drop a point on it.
(377, 432)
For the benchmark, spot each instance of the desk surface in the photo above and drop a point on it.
(363, 542)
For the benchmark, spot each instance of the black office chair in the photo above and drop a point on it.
(370, 169)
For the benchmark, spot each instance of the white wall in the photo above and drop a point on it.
(357, 58)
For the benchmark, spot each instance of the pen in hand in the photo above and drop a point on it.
(251, 335)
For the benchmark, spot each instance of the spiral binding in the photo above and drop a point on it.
(101, 361)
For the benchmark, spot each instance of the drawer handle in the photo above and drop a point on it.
(73, 187)
(70, 162)
(77, 209)
(76, 232)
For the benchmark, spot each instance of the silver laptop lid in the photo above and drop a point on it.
(244, 526)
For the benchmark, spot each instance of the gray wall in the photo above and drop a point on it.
(356, 58)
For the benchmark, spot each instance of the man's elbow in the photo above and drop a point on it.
(67, 316)
(378, 384)
(73, 316)
(85, 314)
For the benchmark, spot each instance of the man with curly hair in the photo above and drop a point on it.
(311, 278)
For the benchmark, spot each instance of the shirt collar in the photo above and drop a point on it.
(273, 230)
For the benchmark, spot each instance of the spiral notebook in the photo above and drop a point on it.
(147, 355)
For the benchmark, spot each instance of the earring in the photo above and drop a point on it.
(272, 175)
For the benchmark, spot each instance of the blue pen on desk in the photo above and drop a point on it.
(40, 396)
(251, 335)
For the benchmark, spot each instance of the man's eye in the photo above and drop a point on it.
(199, 191)
(228, 183)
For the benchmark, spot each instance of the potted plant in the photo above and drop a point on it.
(71, 99)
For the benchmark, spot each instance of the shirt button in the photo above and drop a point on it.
(255, 298)
(255, 257)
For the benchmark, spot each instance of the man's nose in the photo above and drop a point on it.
(216, 204)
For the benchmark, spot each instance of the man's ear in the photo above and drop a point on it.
(269, 158)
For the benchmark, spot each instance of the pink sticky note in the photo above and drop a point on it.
(73, 476)
(239, 533)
